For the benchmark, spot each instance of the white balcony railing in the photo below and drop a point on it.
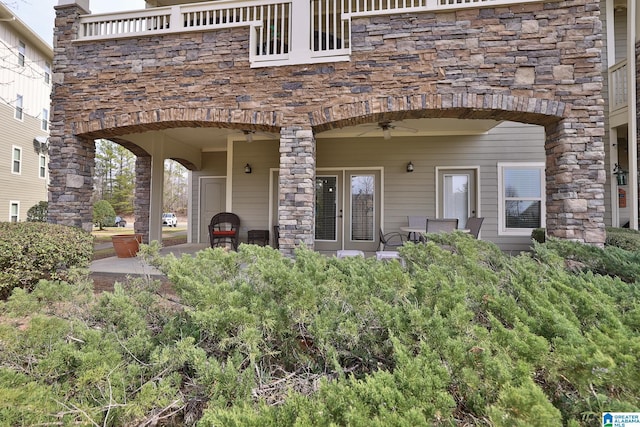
(281, 32)
(618, 86)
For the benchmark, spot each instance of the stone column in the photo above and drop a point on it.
(575, 182)
(296, 197)
(72, 159)
(71, 171)
(142, 197)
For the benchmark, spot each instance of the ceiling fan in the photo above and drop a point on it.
(248, 135)
(386, 127)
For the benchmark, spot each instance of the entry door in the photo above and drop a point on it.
(212, 201)
(458, 194)
(348, 207)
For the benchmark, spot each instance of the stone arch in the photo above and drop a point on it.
(575, 174)
(537, 111)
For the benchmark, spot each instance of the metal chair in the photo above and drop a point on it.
(442, 225)
(392, 239)
(474, 224)
(416, 221)
(223, 230)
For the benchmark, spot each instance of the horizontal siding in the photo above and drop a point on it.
(27, 80)
(27, 187)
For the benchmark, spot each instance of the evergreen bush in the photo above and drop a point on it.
(103, 214)
(31, 251)
(463, 335)
(623, 238)
(38, 212)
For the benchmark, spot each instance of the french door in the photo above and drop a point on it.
(348, 204)
(458, 194)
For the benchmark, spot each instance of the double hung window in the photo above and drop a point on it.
(521, 198)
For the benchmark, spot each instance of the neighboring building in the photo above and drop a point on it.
(25, 91)
(306, 115)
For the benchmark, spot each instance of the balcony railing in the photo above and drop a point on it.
(618, 86)
(281, 32)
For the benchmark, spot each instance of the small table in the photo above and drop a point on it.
(258, 237)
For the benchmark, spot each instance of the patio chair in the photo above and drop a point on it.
(474, 224)
(416, 221)
(442, 225)
(223, 230)
(391, 240)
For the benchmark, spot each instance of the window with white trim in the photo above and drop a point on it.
(19, 109)
(14, 211)
(42, 166)
(521, 198)
(22, 50)
(47, 73)
(45, 119)
(16, 160)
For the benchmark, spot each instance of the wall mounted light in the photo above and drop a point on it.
(247, 168)
(409, 167)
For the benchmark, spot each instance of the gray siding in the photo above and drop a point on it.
(26, 188)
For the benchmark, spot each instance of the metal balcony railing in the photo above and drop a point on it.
(281, 32)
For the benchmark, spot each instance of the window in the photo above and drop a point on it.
(22, 49)
(47, 73)
(45, 119)
(14, 212)
(521, 198)
(19, 112)
(16, 166)
(42, 166)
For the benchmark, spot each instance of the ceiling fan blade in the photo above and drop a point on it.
(405, 129)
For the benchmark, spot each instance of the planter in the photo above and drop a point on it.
(126, 245)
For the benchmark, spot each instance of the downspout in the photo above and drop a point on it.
(632, 39)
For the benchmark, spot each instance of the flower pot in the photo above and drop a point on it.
(126, 245)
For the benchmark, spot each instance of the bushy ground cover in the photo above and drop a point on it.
(31, 251)
(464, 335)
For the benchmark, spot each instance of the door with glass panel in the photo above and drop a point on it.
(457, 195)
(347, 210)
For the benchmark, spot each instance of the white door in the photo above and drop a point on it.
(212, 201)
(458, 194)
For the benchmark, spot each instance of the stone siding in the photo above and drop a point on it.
(536, 63)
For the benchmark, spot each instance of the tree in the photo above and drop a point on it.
(38, 212)
(114, 178)
(103, 214)
(175, 195)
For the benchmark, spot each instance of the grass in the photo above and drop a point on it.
(170, 236)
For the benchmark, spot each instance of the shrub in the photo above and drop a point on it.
(623, 238)
(462, 336)
(539, 235)
(38, 213)
(30, 251)
(103, 214)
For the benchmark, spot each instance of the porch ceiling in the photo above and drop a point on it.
(208, 139)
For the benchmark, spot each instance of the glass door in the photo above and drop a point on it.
(458, 195)
(348, 206)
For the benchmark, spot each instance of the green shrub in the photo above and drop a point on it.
(103, 214)
(539, 235)
(462, 336)
(30, 251)
(623, 238)
(38, 213)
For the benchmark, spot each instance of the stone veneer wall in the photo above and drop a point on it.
(536, 63)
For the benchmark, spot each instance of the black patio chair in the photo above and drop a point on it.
(224, 229)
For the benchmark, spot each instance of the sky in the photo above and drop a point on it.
(39, 14)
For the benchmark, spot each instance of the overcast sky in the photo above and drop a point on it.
(39, 14)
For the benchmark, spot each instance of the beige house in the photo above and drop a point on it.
(335, 119)
(25, 90)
